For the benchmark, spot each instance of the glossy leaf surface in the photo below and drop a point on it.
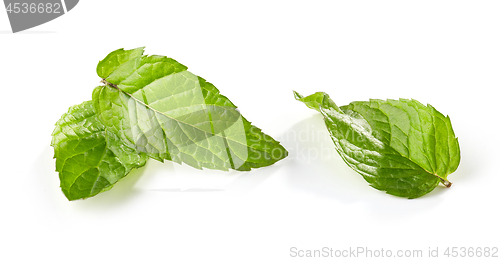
(399, 146)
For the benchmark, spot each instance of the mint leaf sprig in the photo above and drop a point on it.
(152, 107)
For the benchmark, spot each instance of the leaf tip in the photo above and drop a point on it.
(297, 95)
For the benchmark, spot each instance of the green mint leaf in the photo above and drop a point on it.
(152, 103)
(152, 107)
(89, 159)
(399, 146)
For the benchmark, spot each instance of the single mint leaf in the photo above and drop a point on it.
(399, 146)
(152, 103)
(89, 159)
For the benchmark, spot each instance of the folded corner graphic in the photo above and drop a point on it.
(70, 4)
(26, 14)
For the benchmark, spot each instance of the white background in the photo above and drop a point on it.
(445, 53)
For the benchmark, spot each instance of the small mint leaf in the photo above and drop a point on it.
(88, 158)
(399, 146)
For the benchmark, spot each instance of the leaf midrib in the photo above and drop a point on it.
(108, 84)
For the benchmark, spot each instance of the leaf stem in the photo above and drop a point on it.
(109, 84)
(446, 183)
